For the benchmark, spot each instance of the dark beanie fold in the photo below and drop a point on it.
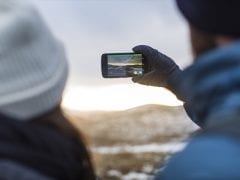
(219, 17)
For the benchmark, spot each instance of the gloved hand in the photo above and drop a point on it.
(163, 72)
(161, 68)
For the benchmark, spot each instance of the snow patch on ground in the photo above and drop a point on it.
(135, 175)
(172, 147)
(130, 175)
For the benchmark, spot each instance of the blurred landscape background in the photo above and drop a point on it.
(131, 129)
(133, 144)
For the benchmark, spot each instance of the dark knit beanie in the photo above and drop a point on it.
(212, 16)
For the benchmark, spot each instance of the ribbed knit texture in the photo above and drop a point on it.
(33, 66)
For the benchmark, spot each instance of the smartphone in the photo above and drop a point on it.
(121, 65)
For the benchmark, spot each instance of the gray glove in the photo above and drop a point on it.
(161, 68)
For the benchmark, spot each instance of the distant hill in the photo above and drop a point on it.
(144, 124)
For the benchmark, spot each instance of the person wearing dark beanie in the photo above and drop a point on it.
(210, 89)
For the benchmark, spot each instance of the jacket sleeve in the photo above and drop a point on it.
(191, 115)
(172, 87)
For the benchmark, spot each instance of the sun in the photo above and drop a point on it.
(116, 97)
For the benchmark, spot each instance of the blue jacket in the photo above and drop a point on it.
(211, 88)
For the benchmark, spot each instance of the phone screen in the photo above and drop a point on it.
(124, 65)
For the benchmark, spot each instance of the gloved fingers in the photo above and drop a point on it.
(155, 59)
(144, 79)
(151, 79)
(148, 52)
(137, 79)
(144, 49)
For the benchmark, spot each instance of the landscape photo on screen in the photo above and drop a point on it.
(125, 65)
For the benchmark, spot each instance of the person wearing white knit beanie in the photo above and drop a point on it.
(33, 66)
(36, 140)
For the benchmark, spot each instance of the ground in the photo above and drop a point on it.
(133, 144)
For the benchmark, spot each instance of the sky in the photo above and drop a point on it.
(90, 28)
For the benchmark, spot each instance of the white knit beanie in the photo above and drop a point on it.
(33, 66)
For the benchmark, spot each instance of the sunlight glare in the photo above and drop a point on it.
(116, 97)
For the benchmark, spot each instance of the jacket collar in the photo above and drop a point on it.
(211, 86)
